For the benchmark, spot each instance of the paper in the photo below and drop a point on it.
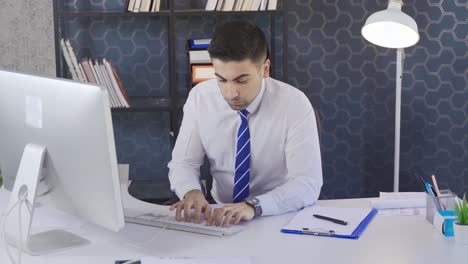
(399, 200)
(421, 211)
(305, 219)
(214, 260)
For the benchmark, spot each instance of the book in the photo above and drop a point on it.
(137, 6)
(272, 4)
(255, 5)
(199, 43)
(238, 5)
(109, 85)
(199, 56)
(120, 84)
(156, 6)
(228, 5)
(211, 5)
(145, 5)
(106, 82)
(246, 5)
(115, 85)
(74, 61)
(90, 62)
(219, 6)
(68, 61)
(88, 72)
(263, 5)
(131, 5)
(202, 73)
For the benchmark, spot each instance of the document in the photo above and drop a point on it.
(400, 203)
(208, 260)
(306, 223)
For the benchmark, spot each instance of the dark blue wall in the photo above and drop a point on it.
(348, 80)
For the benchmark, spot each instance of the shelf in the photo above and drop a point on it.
(187, 12)
(150, 104)
(200, 12)
(112, 13)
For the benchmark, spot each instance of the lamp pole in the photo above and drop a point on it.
(399, 76)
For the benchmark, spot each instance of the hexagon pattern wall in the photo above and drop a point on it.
(348, 80)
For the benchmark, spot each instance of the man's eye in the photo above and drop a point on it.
(223, 81)
(241, 82)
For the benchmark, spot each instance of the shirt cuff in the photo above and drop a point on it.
(268, 204)
(182, 190)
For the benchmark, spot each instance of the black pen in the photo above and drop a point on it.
(336, 221)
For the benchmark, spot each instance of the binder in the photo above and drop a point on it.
(327, 228)
(199, 43)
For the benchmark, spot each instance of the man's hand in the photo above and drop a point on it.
(238, 211)
(193, 199)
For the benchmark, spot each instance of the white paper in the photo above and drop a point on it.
(399, 200)
(421, 211)
(214, 260)
(305, 219)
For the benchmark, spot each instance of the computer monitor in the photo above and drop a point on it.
(59, 131)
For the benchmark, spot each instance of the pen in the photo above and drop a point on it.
(336, 221)
(432, 194)
(437, 192)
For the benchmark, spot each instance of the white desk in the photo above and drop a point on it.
(388, 239)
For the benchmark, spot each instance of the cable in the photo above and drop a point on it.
(20, 249)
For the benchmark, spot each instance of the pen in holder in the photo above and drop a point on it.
(440, 211)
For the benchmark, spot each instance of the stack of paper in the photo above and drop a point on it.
(400, 203)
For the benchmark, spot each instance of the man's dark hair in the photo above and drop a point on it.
(237, 41)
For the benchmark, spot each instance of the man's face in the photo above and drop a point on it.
(240, 81)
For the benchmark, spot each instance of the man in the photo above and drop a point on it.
(259, 134)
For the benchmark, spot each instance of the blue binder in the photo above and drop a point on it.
(193, 45)
(355, 235)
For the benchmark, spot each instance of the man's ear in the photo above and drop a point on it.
(266, 68)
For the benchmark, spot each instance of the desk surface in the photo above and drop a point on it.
(387, 239)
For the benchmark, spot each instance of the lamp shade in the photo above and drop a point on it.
(391, 28)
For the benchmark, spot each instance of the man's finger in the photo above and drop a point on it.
(212, 218)
(179, 210)
(187, 211)
(207, 211)
(174, 206)
(219, 217)
(237, 217)
(227, 218)
(198, 209)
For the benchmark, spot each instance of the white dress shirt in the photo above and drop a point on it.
(286, 167)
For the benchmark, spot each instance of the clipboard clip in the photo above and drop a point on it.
(317, 232)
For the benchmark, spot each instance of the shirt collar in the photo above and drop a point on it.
(253, 106)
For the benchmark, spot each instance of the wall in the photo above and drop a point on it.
(27, 37)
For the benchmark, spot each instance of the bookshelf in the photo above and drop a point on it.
(172, 100)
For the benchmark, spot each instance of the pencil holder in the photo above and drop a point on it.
(440, 211)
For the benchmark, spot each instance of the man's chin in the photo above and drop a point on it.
(237, 107)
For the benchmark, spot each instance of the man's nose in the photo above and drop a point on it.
(233, 92)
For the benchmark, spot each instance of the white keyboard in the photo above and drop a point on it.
(164, 221)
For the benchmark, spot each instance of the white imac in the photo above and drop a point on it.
(58, 132)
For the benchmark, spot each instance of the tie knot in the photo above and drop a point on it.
(244, 113)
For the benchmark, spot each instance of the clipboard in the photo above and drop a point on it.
(327, 229)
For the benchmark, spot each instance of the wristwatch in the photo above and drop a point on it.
(255, 204)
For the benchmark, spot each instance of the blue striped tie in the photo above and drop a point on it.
(242, 169)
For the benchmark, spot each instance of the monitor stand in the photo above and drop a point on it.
(25, 187)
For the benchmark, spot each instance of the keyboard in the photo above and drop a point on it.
(165, 221)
